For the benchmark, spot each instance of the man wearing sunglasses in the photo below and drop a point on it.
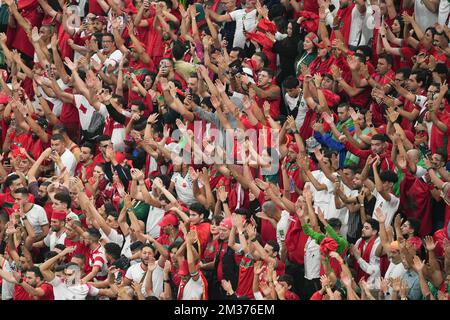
(68, 286)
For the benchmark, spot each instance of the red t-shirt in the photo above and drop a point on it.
(35, 147)
(80, 249)
(409, 107)
(345, 21)
(211, 250)
(203, 234)
(7, 202)
(20, 294)
(69, 113)
(17, 37)
(95, 8)
(48, 292)
(89, 169)
(295, 242)
(18, 141)
(245, 280)
(155, 44)
(268, 232)
(311, 6)
(65, 49)
(439, 139)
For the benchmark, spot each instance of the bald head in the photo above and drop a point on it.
(413, 155)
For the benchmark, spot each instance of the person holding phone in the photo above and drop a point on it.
(246, 20)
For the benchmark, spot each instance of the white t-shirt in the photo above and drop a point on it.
(7, 287)
(424, 17)
(52, 239)
(312, 259)
(152, 227)
(158, 280)
(321, 198)
(86, 111)
(394, 271)
(282, 226)
(57, 103)
(343, 213)
(37, 218)
(135, 273)
(388, 207)
(118, 134)
(76, 292)
(113, 236)
(69, 161)
(243, 19)
(372, 268)
(193, 290)
(113, 59)
(444, 10)
(360, 33)
(183, 186)
(126, 251)
(420, 171)
(302, 108)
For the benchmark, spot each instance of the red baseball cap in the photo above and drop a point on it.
(227, 223)
(59, 215)
(168, 219)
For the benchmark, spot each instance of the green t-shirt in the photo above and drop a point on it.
(140, 210)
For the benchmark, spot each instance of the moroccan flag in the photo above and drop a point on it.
(415, 201)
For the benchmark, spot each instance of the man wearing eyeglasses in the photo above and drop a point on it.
(109, 57)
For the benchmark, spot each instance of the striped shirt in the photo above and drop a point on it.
(97, 258)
